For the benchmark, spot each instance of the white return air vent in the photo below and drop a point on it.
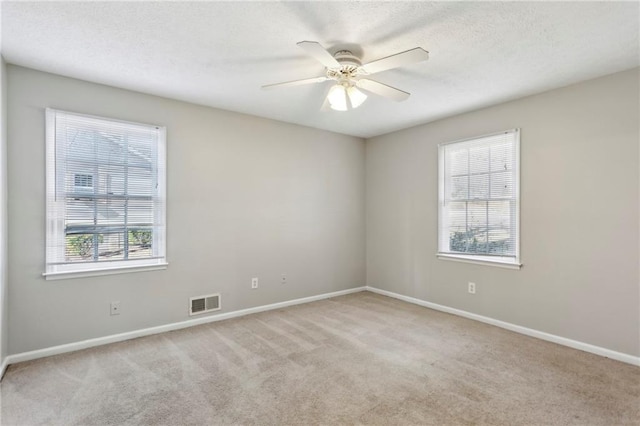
(203, 304)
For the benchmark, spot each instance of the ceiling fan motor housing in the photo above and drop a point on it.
(345, 58)
(349, 66)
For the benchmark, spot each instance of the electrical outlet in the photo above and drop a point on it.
(115, 308)
(283, 279)
(254, 283)
(472, 288)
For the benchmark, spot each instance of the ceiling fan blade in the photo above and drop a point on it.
(382, 90)
(314, 49)
(398, 60)
(296, 82)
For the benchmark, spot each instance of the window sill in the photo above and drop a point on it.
(480, 260)
(61, 275)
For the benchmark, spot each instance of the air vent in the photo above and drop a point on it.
(203, 304)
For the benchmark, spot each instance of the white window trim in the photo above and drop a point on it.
(89, 269)
(499, 261)
(477, 259)
(123, 268)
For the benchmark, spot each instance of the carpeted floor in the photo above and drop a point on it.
(356, 359)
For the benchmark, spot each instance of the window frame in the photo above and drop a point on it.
(55, 210)
(480, 258)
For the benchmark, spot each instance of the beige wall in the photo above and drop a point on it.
(247, 197)
(4, 300)
(253, 197)
(579, 215)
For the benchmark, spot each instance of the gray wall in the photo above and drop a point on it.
(246, 197)
(4, 300)
(579, 215)
(253, 197)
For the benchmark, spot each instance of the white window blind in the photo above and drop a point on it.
(479, 198)
(105, 194)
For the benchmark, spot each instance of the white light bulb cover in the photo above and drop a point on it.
(338, 98)
(356, 97)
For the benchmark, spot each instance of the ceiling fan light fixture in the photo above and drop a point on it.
(337, 98)
(344, 98)
(356, 97)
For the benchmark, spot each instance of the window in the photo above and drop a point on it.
(105, 195)
(479, 199)
(83, 182)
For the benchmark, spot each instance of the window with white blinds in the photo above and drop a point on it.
(105, 195)
(479, 199)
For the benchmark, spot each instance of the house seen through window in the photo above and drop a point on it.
(105, 194)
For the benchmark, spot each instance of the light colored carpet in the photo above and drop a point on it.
(356, 359)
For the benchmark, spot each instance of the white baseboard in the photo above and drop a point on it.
(597, 350)
(3, 367)
(84, 344)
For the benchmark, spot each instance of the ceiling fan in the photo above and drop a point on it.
(347, 71)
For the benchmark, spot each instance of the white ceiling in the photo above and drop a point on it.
(220, 53)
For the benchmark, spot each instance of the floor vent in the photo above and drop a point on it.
(203, 304)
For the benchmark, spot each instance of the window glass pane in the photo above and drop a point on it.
(501, 185)
(140, 243)
(500, 214)
(477, 216)
(111, 245)
(458, 217)
(111, 180)
(139, 212)
(140, 182)
(479, 186)
(459, 188)
(500, 227)
(478, 159)
(501, 157)
(80, 211)
(110, 211)
(458, 162)
(79, 247)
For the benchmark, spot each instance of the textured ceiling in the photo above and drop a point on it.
(220, 53)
